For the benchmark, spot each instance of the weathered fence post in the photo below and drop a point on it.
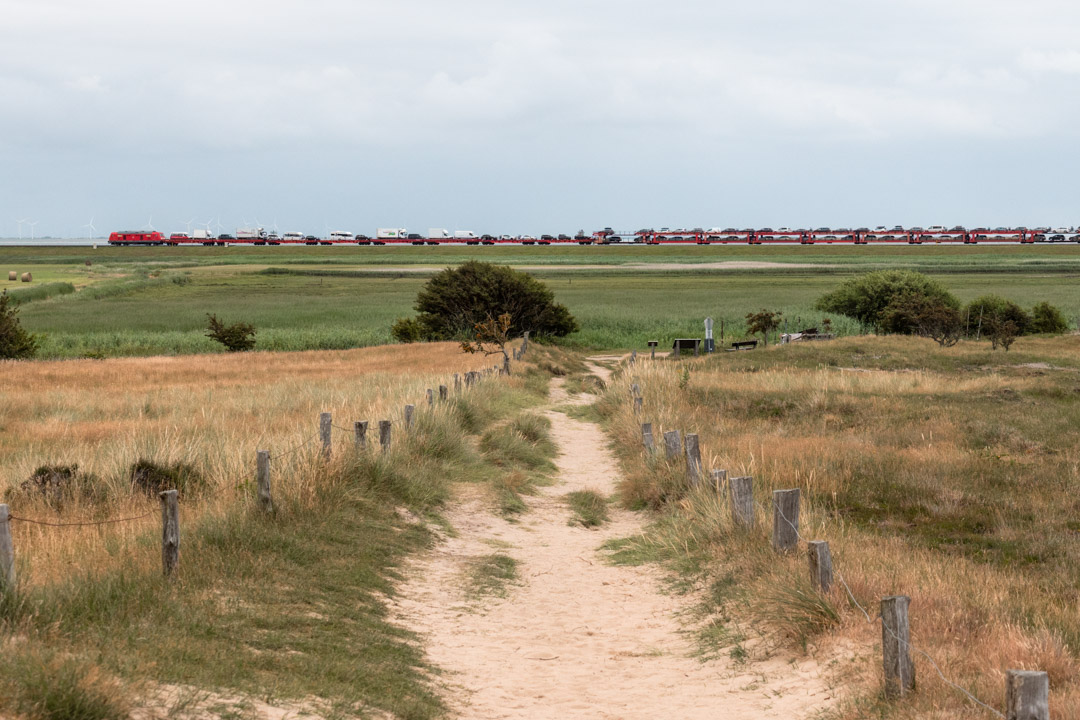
(170, 532)
(672, 444)
(457, 383)
(719, 477)
(820, 565)
(693, 460)
(360, 433)
(785, 532)
(895, 646)
(409, 415)
(635, 390)
(647, 438)
(525, 341)
(262, 480)
(637, 405)
(1027, 695)
(470, 378)
(633, 357)
(506, 364)
(384, 435)
(325, 429)
(430, 397)
(7, 551)
(742, 500)
(444, 393)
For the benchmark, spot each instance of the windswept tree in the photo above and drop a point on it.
(455, 301)
(491, 337)
(15, 342)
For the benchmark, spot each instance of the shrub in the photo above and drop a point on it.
(453, 302)
(1045, 318)
(15, 342)
(57, 484)
(237, 337)
(153, 478)
(925, 316)
(995, 310)
(407, 330)
(866, 297)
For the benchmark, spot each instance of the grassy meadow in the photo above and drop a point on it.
(286, 608)
(949, 475)
(153, 301)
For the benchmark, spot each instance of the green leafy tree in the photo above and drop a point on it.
(455, 301)
(866, 297)
(490, 337)
(763, 322)
(15, 342)
(925, 316)
(1045, 318)
(1001, 332)
(994, 309)
(237, 337)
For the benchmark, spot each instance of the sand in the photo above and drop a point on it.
(576, 637)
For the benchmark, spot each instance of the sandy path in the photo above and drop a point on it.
(576, 637)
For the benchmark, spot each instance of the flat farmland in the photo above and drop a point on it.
(149, 301)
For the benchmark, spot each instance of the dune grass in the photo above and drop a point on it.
(285, 608)
(589, 508)
(947, 475)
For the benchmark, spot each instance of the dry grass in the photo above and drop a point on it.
(213, 412)
(948, 475)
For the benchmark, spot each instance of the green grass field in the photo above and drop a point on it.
(144, 301)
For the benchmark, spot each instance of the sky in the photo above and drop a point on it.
(506, 116)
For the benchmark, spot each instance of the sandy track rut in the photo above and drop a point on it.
(576, 637)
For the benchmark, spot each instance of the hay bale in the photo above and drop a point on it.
(12, 275)
(27, 277)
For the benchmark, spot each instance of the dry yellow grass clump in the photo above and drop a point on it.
(947, 475)
(209, 412)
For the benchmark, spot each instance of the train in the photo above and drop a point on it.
(936, 234)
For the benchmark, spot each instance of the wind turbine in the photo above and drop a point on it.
(150, 224)
(32, 224)
(207, 226)
(188, 224)
(20, 226)
(92, 228)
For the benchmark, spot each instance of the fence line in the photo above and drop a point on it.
(17, 518)
(649, 449)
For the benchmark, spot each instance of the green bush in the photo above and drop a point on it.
(996, 311)
(237, 337)
(407, 330)
(1045, 318)
(15, 342)
(866, 297)
(455, 300)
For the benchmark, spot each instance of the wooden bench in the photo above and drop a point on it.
(744, 345)
(681, 344)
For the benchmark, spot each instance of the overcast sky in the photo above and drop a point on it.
(512, 117)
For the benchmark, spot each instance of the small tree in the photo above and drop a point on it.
(15, 342)
(236, 337)
(1045, 318)
(927, 317)
(763, 322)
(1000, 331)
(994, 308)
(865, 297)
(491, 337)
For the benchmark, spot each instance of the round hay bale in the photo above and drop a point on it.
(27, 277)
(12, 275)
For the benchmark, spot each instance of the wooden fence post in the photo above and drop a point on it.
(742, 500)
(430, 397)
(409, 415)
(633, 357)
(672, 444)
(719, 477)
(820, 565)
(7, 551)
(444, 393)
(457, 383)
(637, 405)
(785, 531)
(647, 438)
(360, 433)
(635, 390)
(384, 435)
(1027, 695)
(170, 532)
(262, 480)
(895, 646)
(693, 460)
(325, 430)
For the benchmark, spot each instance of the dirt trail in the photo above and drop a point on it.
(577, 637)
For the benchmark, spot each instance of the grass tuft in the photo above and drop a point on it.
(589, 508)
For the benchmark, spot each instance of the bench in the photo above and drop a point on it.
(744, 345)
(681, 344)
